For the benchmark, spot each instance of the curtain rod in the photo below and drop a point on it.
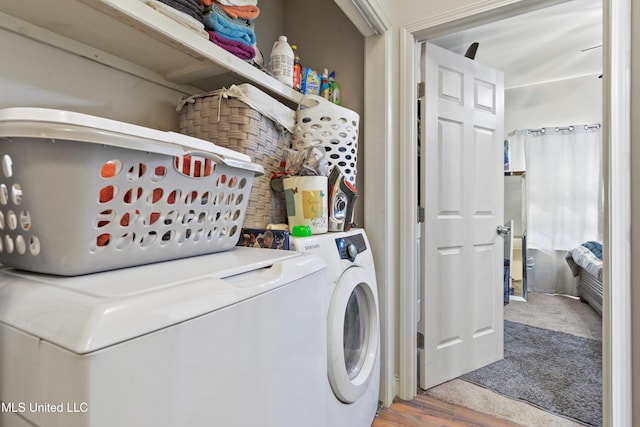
(571, 128)
(541, 130)
(556, 128)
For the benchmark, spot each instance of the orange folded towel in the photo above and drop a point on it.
(234, 12)
(244, 12)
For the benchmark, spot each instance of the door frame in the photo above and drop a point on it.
(617, 346)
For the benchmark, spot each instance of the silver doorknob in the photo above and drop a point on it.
(502, 230)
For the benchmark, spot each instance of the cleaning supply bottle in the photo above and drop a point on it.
(324, 84)
(297, 69)
(334, 89)
(310, 82)
(282, 61)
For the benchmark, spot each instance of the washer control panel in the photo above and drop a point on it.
(350, 246)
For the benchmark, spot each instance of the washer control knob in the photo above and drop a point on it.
(352, 251)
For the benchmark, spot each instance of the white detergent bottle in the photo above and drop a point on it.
(282, 61)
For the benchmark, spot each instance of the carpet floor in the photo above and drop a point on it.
(554, 312)
(555, 371)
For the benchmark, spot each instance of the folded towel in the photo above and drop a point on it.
(217, 7)
(193, 8)
(246, 12)
(239, 49)
(239, 2)
(192, 4)
(240, 30)
(180, 17)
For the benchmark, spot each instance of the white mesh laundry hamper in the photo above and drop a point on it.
(81, 194)
(332, 127)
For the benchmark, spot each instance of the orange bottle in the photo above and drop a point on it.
(297, 69)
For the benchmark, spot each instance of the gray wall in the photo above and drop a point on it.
(33, 74)
(326, 38)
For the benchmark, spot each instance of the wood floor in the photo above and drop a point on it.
(426, 411)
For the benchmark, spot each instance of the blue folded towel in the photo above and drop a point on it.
(238, 29)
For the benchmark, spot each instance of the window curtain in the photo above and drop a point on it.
(564, 200)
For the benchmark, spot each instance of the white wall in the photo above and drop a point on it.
(560, 103)
(635, 202)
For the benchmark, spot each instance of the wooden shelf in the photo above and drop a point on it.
(134, 37)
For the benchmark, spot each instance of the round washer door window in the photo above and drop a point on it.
(353, 335)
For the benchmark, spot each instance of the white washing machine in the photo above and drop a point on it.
(228, 339)
(352, 380)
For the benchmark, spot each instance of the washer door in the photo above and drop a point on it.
(353, 334)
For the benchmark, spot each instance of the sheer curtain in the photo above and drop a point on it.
(564, 200)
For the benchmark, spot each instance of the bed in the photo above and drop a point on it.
(585, 261)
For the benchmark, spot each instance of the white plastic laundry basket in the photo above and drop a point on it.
(335, 128)
(81, 194)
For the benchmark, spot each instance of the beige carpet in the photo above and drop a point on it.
(556, 312)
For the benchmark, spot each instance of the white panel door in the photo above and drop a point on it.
(462, 189)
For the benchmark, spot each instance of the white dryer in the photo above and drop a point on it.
(352, 380)
(228, 339)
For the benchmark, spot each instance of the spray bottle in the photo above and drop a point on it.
(324, 84)
(334, 89)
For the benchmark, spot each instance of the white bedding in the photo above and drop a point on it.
(583, 257)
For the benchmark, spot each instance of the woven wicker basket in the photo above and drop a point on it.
(231, 123)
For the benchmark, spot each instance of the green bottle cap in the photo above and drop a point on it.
(301, 231)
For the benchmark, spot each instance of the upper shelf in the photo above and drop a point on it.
(130, 35)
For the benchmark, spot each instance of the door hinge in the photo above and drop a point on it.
(420, 342)
(421, 90)
(420, 214)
